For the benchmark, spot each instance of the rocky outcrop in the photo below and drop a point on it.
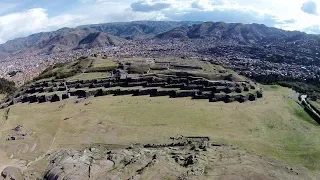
(11, 173)
(184, 158)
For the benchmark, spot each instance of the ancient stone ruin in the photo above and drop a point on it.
(174, 86)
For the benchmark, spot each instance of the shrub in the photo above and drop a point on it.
(7, 87)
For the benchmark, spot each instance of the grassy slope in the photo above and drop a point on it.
(315, 104)
(102, 65)
(89, 76)
(99, 62)
(275, 125)
(209, 71)
(2, 96)
(65, 70)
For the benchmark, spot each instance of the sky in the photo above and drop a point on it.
(20, 18)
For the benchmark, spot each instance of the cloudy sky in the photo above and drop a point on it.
(19, 18)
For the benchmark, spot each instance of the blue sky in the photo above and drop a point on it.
(19, 18)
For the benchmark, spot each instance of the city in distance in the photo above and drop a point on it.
(209, 90)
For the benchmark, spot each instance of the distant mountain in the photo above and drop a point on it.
(138, 28)
(88, 36)
(100, 39)
(115, 34)
(233, 32)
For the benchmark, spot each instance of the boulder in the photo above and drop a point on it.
(203, 95)
(62, 88)
(252, 97)
(193, 86)
(24, 99)
(91, 93)
(17, 100)
(65, 96)
(228, 90)
(181, 85)
(219, 89)
(42, 99)
(240, 98)
(162, 93)
(203, 82)
(98, 93)
(259, 94)
(217, 98)
(189, 161)
(228, 99)
(153, 92)
(79, 93)
(238, 90)
(210, 88)
(144, 83)
(161, 84)
(55, 98)
(142, 92)
(185, 94)
(32, 99)
(40, 90)
(126, 92)
(11, 173)
(49, 89)
(31, 91)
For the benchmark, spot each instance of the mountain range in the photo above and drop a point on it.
(88, 36)
(115, 34)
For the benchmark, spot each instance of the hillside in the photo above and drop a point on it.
(235, 33)
(95, 117)
(101, 34)
(115, 34)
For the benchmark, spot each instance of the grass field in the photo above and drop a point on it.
(2, 96)
(316, 104)
(65, 70)
(102, 65)
(89, 76)
(99, 62)
(208, 70)
(275, 125)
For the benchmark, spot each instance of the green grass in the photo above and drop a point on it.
(89, 76)
(209, 71)
(274, 125)
(65, 70)
(102, 65)
(314, 104)
(2, 96)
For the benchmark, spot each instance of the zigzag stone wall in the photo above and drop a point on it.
(194, 87)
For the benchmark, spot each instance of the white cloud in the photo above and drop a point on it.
(149, 6)
(32, 21)
(285, 14)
